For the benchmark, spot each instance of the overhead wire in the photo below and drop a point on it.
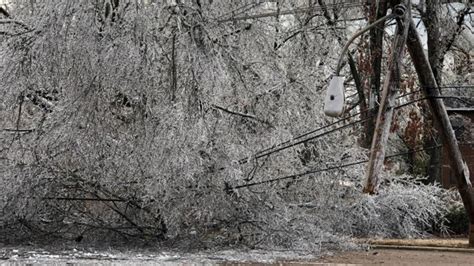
(342, 4)
(241, 161)
(262, 152)
(291, 143)
(350, 4)
(229, 188)
(296, 140)
(240, 10)
(290, 12)
(456, 86)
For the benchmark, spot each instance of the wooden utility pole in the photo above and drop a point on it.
(385, 113)
(428, 82)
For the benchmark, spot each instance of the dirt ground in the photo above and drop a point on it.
(425, 252)
(400, 257)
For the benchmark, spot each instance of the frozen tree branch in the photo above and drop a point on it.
(16, 22)
(240, 114)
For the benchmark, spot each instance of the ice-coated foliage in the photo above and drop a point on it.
(130, 123)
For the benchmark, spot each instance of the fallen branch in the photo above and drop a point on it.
(17, 130)
(83, 199)
(240, 114)
(4, 12)
(16, 22)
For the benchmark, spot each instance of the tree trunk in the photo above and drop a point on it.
(432, 24)
(433, 28)
(430, 86)
(377, 11)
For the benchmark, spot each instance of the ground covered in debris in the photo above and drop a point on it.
(81, 255)
(151, 256)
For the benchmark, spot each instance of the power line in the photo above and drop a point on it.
(338, 121)
(241, 161)
(456, 86)
(262, 152)
(240, 9)
(464, 99)
(269, 151)
(433, 97)
(313, 171)
(331, 124)
(348, 4)
(229, 188)
(291, 143)
(260, 155)
(294, 11)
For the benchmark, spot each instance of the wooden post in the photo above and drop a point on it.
(386, 108)
(430, 86)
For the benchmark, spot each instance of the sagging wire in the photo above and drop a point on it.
(294, 11)
(291, 143)
(294, 176)
(230, 189)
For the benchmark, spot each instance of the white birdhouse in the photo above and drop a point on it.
(334, 102)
